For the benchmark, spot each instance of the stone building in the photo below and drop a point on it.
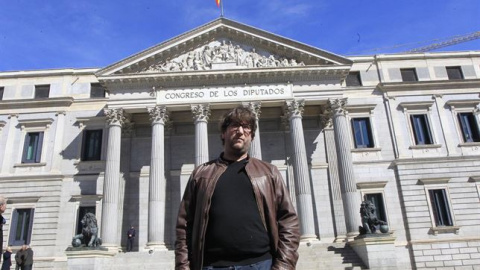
(400, 130)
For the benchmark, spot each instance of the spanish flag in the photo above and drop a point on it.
(218, 2)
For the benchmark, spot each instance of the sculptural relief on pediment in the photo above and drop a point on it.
(222, 54)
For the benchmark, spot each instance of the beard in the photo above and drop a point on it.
(238, 147)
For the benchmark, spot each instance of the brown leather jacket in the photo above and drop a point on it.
(273, 200)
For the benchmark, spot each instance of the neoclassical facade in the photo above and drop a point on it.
(400, 130)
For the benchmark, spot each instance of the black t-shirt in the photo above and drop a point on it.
(235, 232)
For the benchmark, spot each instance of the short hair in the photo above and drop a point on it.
(241, 115)
(3, 200)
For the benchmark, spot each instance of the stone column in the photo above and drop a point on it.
(294, 110)
(335, 190)
(201, 113)
(157, 182)
(350, 195)
(128, 131)
(256, 147)
(111, 185)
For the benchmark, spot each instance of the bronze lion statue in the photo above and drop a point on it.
(88, 237)
(369, 218)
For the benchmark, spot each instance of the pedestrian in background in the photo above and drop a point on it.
(130, 238)
(3, 207)
(7, 259)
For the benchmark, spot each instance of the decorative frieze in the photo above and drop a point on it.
(219, 55)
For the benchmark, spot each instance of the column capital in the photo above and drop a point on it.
(336, 106)
(115, 116)
(201, 112)
(294, 108)
(255, 106)
(158, 114)
(326, 119)
(128, 129)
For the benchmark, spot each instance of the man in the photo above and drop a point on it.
(130, 238)
(28, 258)
(236, 211)
(3, 207)
(20, 258)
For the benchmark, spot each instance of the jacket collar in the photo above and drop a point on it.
(226, 162)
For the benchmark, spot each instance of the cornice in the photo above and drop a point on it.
(27, 178)
(234, 76)
(434, 160)
(428, 55)
(47, 73)
(429, 85)
(36, 103)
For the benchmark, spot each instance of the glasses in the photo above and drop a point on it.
(247, 129)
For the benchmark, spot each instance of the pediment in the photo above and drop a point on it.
(223, 45)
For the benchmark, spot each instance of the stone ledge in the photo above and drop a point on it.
(445, 229)
(101, 252)
(372, 239)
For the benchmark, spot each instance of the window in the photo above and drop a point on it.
(454, 73)
(32, 148)
(377, 200)
(92, 145)
(21, 228)
(469, 127)
(362, 133)
(353, 79)
(97, 91)
(2, 89)
(82, 211)
(440, 207)
(421, 129)
(42, 91)
(408, 74)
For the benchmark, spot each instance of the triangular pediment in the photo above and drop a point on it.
(223, 45)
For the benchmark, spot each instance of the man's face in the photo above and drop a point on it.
(3, 208)
(238, 138)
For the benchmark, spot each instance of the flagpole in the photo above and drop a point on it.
(221, 6)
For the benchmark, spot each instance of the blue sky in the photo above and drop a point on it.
(50, 34)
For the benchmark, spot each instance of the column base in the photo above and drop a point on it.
(112, 248)
(351, 236)
(340, 239)
(308, 238)
(155, 246)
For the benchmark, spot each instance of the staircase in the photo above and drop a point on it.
(330, 256)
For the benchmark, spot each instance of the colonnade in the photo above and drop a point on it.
(201, 112)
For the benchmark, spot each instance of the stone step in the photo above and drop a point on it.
(329, 256)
